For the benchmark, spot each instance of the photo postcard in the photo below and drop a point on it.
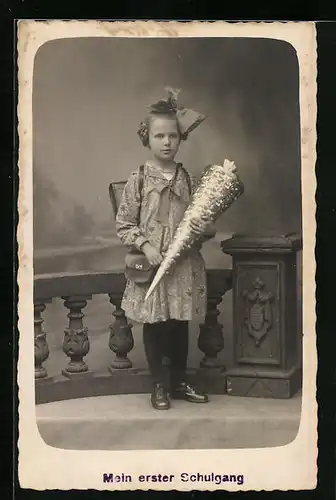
(166, 241)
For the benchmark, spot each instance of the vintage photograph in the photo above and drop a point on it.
(168, 249)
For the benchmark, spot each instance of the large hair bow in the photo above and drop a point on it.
(188, 119)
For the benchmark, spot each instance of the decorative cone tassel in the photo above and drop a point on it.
(218, 187)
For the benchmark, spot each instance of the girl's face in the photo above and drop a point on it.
(164, 137)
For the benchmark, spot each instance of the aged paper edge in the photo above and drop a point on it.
(42, 467)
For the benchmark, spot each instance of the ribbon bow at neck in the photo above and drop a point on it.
(166, 194)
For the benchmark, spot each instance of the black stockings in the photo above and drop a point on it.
(166, 349)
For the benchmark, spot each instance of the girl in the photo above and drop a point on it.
(166, 191)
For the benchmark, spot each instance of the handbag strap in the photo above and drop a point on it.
(187, 176)
(178, 166)
(140, 187)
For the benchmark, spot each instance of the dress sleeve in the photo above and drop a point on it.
(127, 223)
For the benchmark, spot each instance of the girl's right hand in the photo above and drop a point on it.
(153, 256)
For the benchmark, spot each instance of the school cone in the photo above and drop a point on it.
(218, 187)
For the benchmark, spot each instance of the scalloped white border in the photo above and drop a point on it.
(288, 467)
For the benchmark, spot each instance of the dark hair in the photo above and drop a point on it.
(143, 130)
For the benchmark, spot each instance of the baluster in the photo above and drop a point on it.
(121, 338)
(210, 339)
(76, 344)
(41, 349)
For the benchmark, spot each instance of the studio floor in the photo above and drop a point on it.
(128, 422)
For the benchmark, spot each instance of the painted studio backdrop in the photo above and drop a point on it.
(89, 96)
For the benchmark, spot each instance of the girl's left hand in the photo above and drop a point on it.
(198, 226)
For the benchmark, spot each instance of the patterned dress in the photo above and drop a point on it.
(181, 295)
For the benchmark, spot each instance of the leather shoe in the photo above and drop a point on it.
(189, 393)
(159, 398)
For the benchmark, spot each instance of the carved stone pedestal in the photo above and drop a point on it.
(265, 316)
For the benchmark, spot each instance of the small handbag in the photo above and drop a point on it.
(137, 267)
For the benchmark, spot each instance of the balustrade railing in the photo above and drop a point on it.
(266, 335)
(76, 379)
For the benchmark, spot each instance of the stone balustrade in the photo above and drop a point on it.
(76, 379)
(267, 337)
